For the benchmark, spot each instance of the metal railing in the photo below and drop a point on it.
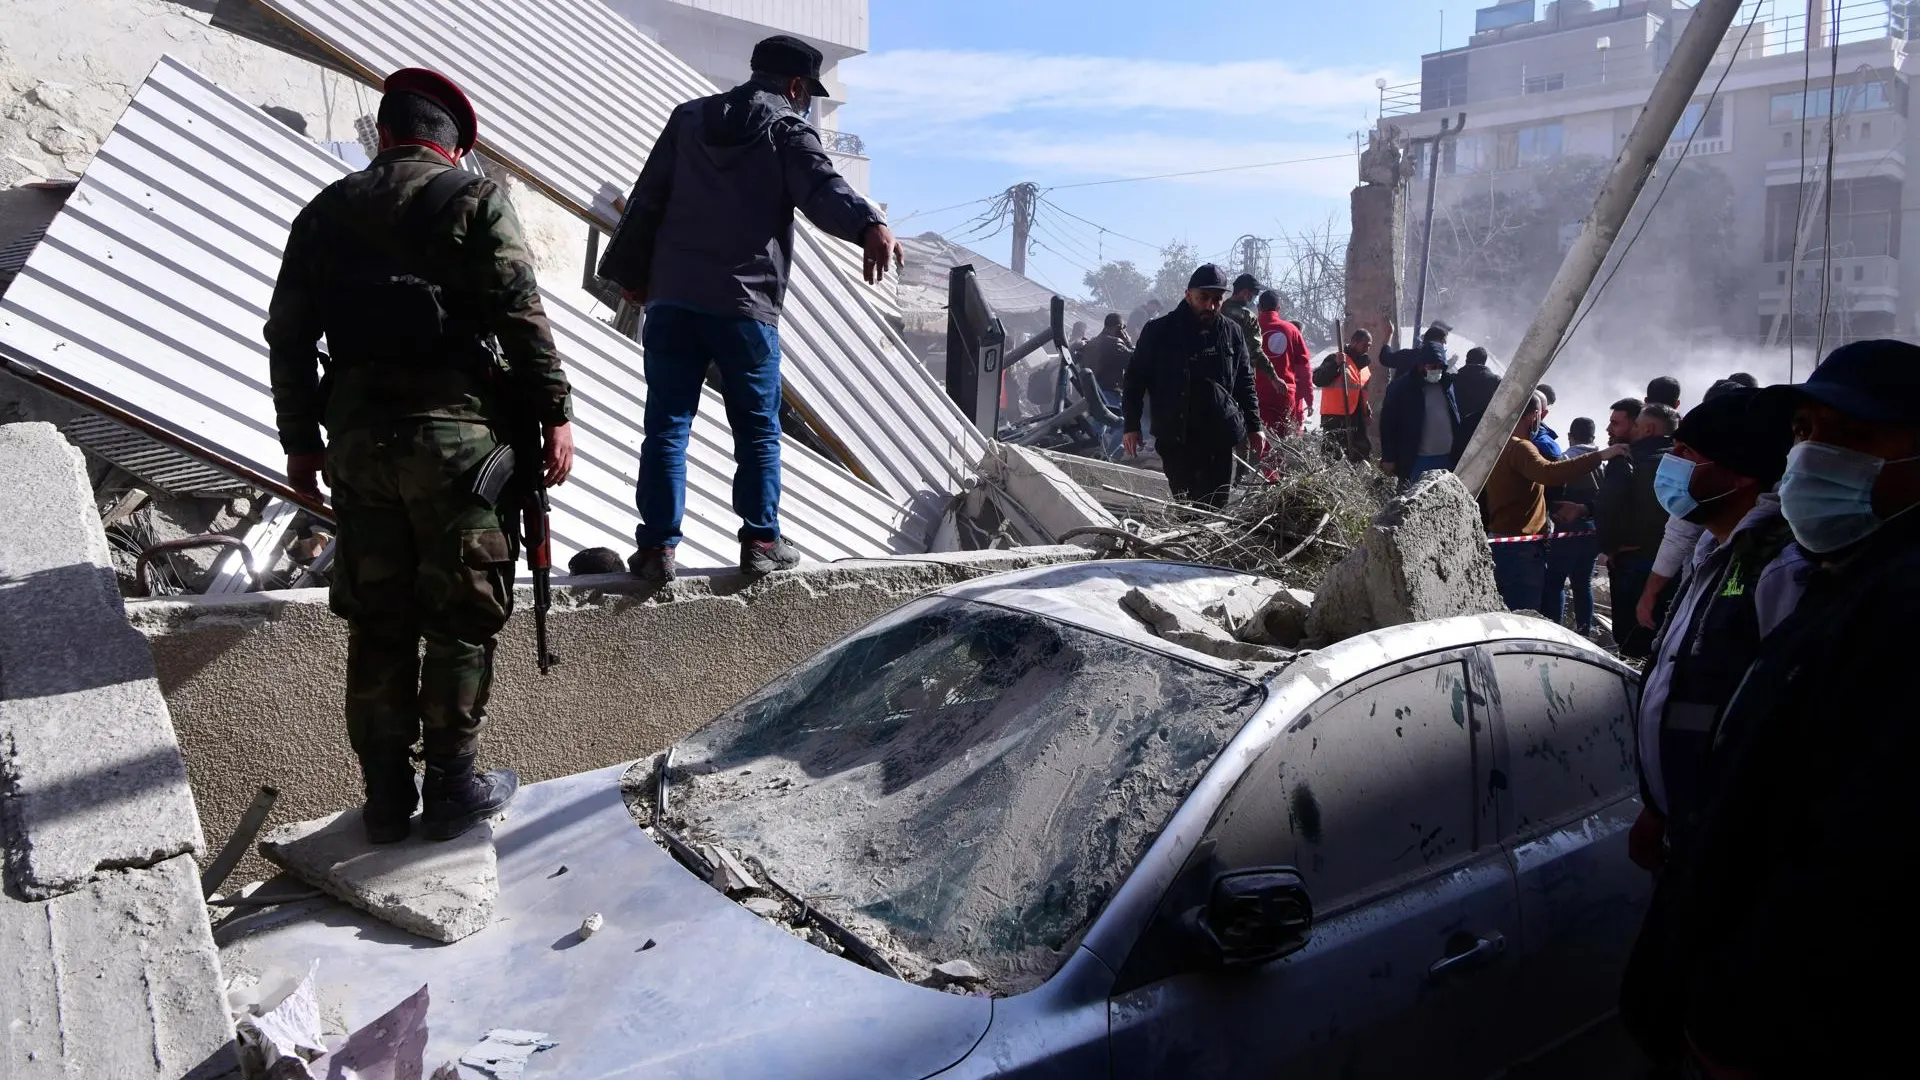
(842, 142)
(1401, 99)
(1779, 29)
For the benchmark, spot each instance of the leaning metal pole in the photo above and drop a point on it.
(1426, 231)
(1671, 92)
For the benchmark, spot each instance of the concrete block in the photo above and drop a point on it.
(119, 978)
(1190, 629)
(1051, 499)
(440, 890)
(1424, 557)
(1283, 621)
(1238, 611)
(93, 775)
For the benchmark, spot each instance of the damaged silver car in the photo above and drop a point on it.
(1403, 855)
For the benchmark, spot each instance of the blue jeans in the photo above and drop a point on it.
(1425, 464)
(1520, 570)
(680, 343)
(1570, 561)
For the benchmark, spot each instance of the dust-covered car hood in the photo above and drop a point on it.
(680, 982)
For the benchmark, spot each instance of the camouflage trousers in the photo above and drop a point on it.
(418, 558)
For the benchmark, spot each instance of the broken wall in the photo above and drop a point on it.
(255, 681)
(107, 964)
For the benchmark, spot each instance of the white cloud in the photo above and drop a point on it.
(943, 86)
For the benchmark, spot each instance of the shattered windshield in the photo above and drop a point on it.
(959, 781)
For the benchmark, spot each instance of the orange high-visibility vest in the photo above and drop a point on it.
(1345, 400)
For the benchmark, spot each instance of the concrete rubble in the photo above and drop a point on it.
(444, 891)
(1424, 557)
(94, 776)
(1194, 630)
(107, 962)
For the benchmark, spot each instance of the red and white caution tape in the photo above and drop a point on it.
(1539, 537)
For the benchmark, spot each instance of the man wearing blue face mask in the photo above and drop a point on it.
(1782, 906)
(1743, 578)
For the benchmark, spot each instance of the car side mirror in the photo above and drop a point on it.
(1254, 917)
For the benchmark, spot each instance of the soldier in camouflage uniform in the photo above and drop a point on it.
(412, 299)
(1239, 308)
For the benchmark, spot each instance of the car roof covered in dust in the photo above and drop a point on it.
(1088, 595)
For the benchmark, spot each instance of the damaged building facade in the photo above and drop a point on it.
(1545, 83)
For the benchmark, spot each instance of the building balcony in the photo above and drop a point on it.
(1859, 283)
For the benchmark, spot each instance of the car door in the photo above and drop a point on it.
(1565, 754)
(1377, 796)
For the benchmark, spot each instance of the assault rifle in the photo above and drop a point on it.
(517, 465)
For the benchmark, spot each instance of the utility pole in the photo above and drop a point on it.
(1426, 234)
(1254, 253)
(1671, 93)
(1024, 198)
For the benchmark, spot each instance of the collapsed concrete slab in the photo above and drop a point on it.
(444, 891)
(1051, 504)
(1191, 629)
(117, 979)
(1424, 557)
(93, 779)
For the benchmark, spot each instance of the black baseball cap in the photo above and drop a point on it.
(1209, 277)
(1727, 431)
(1246, 281)
(793, 58)
(1877, 380)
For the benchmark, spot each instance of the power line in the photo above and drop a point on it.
(942, 210)
(1200, 172)
(1111, 232)
(1658, 195)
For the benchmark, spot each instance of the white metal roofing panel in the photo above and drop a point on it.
(571, 96)
(150, 290)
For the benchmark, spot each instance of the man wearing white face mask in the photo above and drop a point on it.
(1781, 906)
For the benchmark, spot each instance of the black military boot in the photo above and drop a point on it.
(456, 798)
(391, 798)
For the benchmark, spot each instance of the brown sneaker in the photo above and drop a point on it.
(766, 556)
(654, 565)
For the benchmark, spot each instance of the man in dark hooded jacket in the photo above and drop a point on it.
(705, 244)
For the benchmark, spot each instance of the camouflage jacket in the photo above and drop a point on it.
(1249, 324)
(479, 259)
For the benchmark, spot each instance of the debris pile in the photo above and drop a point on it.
(1424, 557)
(1292, 527)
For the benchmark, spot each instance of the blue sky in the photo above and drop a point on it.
(957, 101)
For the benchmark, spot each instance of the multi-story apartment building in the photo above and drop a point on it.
(716, 38)
(1544, 82)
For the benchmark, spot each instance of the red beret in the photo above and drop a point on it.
(438, 88)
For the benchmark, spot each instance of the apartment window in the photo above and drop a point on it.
(1866, 214)
(1528, 147)
(1699, 121)
(1859, 272)
(1869, 96)
(1782, 280)
(1866, 129)
(1543, 84)
(1786, 140)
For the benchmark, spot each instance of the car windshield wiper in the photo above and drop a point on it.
(856, 948)
(682, 851)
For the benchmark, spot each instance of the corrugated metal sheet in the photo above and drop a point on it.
(150, 289)
(571, 97)
(148, 460)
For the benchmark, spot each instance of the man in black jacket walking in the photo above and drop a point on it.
(705, 244)
(1193, 364)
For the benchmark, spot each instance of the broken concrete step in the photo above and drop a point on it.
(444, 890)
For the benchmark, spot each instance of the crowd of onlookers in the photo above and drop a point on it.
(1763, 565)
